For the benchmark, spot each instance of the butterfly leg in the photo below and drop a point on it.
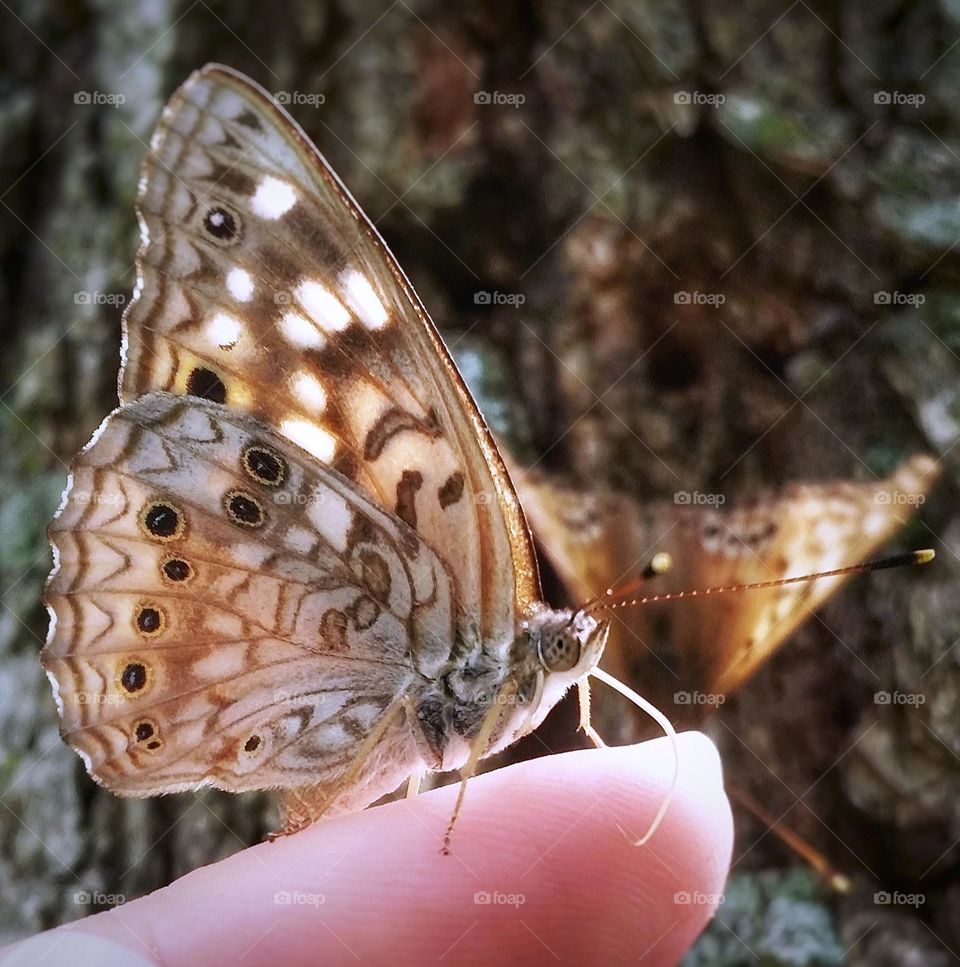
(480, 745)
(296, 815)
(302, 813)
(413, 786)
(583, 694)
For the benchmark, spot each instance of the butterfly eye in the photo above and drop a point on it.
(559, 652)
(222, 225)
(265, 466)
(244, 509)
(162, 520)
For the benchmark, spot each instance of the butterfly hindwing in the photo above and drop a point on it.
(228, 612)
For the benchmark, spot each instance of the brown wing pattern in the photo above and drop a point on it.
(264, 287)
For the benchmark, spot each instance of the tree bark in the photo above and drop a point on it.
(805, 165)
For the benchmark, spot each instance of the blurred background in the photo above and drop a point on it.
(675, 247)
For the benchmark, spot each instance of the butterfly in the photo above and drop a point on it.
(292, 558)
(704, 647)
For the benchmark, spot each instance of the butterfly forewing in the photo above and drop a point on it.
(263, 287)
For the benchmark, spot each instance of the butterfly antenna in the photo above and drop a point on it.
(836, 880)
(659, 564)
(895, 560)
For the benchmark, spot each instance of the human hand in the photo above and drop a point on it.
(542, 870)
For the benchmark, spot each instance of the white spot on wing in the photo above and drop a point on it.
(300, 539)
(273, 198)
(363, 300)
(301, 332)
(309, 390)
(240, 284)
(322, 305)
(332, 517)
(313, 438)
(224, 330)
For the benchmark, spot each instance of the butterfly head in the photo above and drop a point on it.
(568, 643)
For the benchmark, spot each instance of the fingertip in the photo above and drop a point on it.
(543, 866)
